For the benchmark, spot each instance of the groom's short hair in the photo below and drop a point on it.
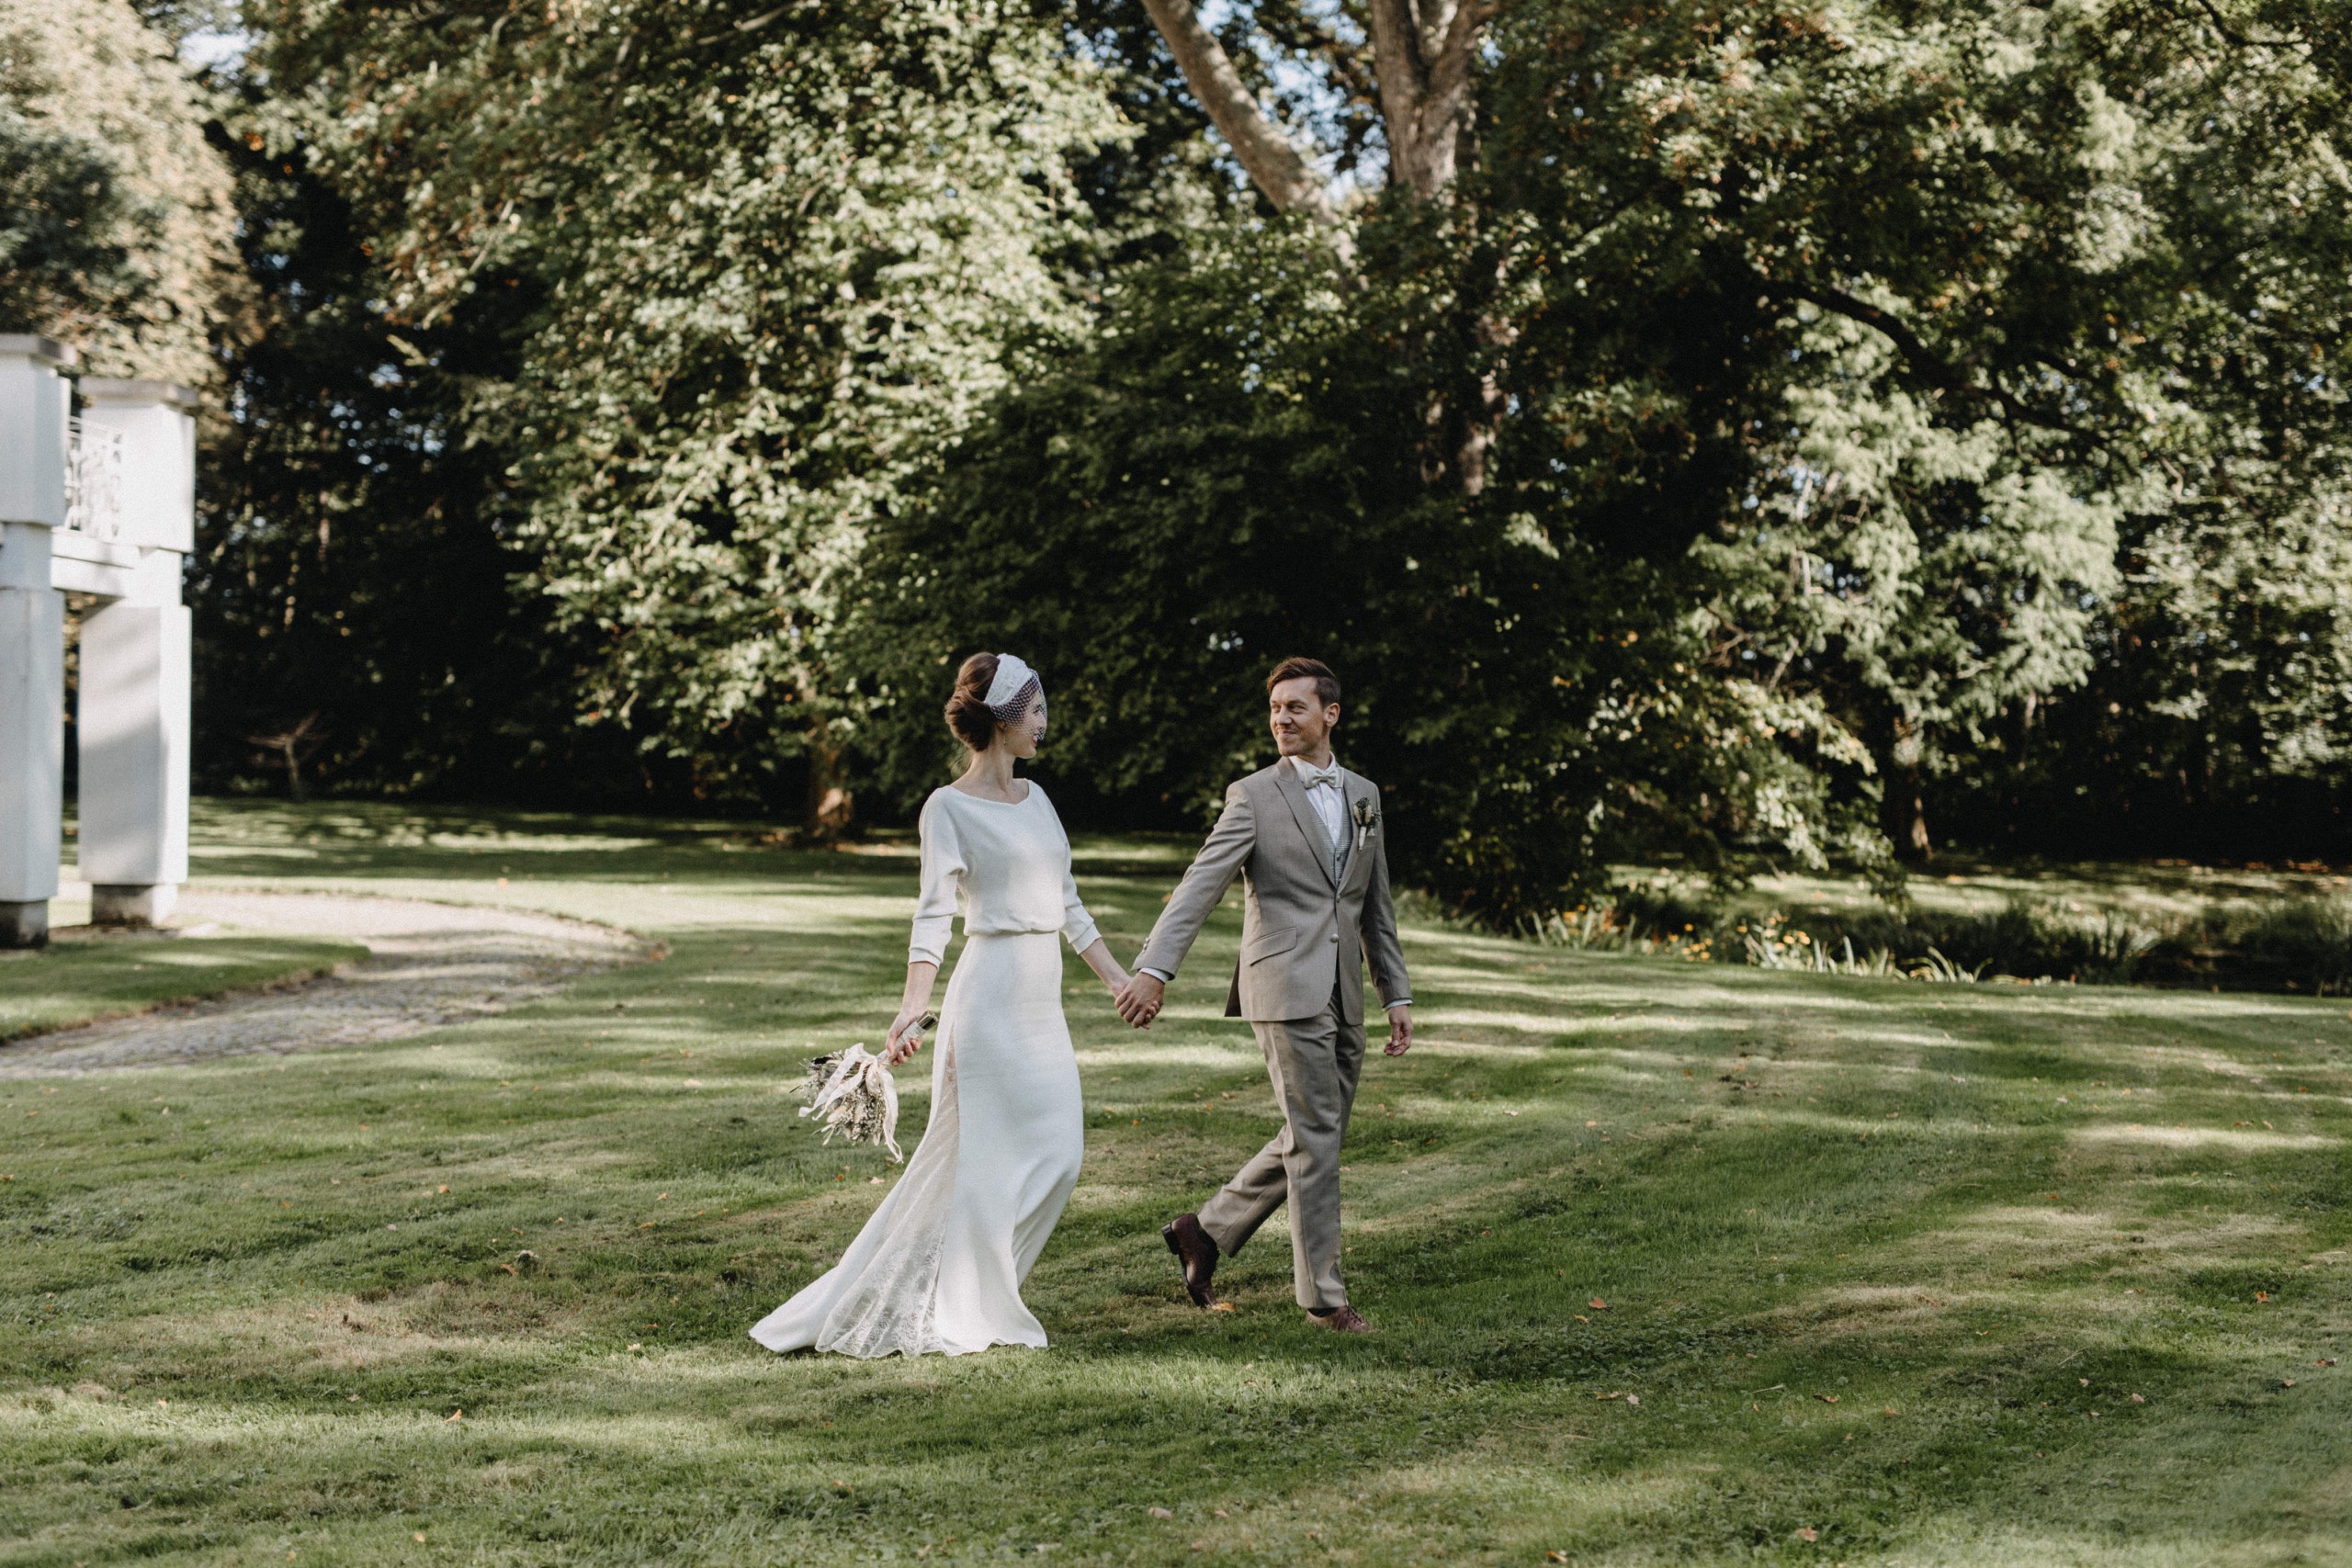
(1327, 685)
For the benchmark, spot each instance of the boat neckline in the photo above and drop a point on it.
(984, 800)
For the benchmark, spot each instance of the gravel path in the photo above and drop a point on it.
(428, 965)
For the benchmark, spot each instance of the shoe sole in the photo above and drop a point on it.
(1168, 1234)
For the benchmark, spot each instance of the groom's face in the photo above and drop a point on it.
(1301, 720)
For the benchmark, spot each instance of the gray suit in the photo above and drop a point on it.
(1305, 937)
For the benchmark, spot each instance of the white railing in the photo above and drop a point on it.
(94, 481)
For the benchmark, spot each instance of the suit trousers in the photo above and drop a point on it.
(1314, 1063)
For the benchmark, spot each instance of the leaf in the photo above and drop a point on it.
(1808, 1533)
(1598, 1304)
(1160, 1513)
(1827, 1398)
(457, 1414)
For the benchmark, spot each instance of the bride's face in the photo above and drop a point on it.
(1024, 735)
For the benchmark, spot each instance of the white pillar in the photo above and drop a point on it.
(35, 400)
(133, 727)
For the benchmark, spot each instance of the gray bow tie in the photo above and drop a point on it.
(1311, 776)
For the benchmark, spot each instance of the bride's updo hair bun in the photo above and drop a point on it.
(968, 710)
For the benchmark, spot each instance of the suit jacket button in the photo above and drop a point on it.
(1335, 936)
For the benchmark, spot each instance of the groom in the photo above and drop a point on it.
(1305, 837)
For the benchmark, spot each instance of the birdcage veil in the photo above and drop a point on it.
(1016, 689)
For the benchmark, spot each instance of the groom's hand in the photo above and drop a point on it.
(1139, 999)
(1400, 1028)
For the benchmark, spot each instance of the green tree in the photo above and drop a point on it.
(1827, 359)
(116, 216)
(769, 258)
(2220, 712)
(1235, 473)
(352, 596)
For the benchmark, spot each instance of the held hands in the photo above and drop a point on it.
(1400, 1028)
(1139, 999)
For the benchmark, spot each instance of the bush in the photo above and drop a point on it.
(2298, 945)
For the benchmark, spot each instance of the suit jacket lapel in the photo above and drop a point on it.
(1317, 841)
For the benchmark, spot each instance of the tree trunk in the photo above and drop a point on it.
(1276, 167)
(1424, 54)
(1902, 812)
(832, 809)
(1909, 827)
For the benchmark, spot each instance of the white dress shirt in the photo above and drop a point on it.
(1330, 802)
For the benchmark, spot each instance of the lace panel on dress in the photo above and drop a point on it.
(893, 1307)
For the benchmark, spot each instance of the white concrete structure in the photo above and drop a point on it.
(35, 404)
(106, 509)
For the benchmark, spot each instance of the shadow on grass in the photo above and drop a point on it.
(269, 840)
(1671, 1262)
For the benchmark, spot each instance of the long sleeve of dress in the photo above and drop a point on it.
(1078, 926)
(942, 881)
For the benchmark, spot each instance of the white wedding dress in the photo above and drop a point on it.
(938, 1267)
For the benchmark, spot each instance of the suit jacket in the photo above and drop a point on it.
(1301, 932)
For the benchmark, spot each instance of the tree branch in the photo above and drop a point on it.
(1275, 165)
(1397, 65)
(1449, 85)
(2238, 39)
(1925, 361)
(1425, 85)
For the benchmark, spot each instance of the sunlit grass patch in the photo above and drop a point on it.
(96, 975)
(1655, 1249)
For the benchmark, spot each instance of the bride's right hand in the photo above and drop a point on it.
(896, 1047)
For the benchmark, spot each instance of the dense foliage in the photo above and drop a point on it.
(1724, 430)
(1867, 380)
(116, 215)
(763, 261)
(354, 617)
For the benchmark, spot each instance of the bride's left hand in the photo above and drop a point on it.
(902, 1041)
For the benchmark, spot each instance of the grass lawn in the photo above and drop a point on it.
(1892, 1272)
(85, 975)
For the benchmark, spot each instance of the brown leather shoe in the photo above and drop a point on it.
(1197, 1252)
(1346, 1320)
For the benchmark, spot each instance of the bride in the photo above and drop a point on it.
(939, 1266)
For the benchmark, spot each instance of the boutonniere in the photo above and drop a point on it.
(1366, 817)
